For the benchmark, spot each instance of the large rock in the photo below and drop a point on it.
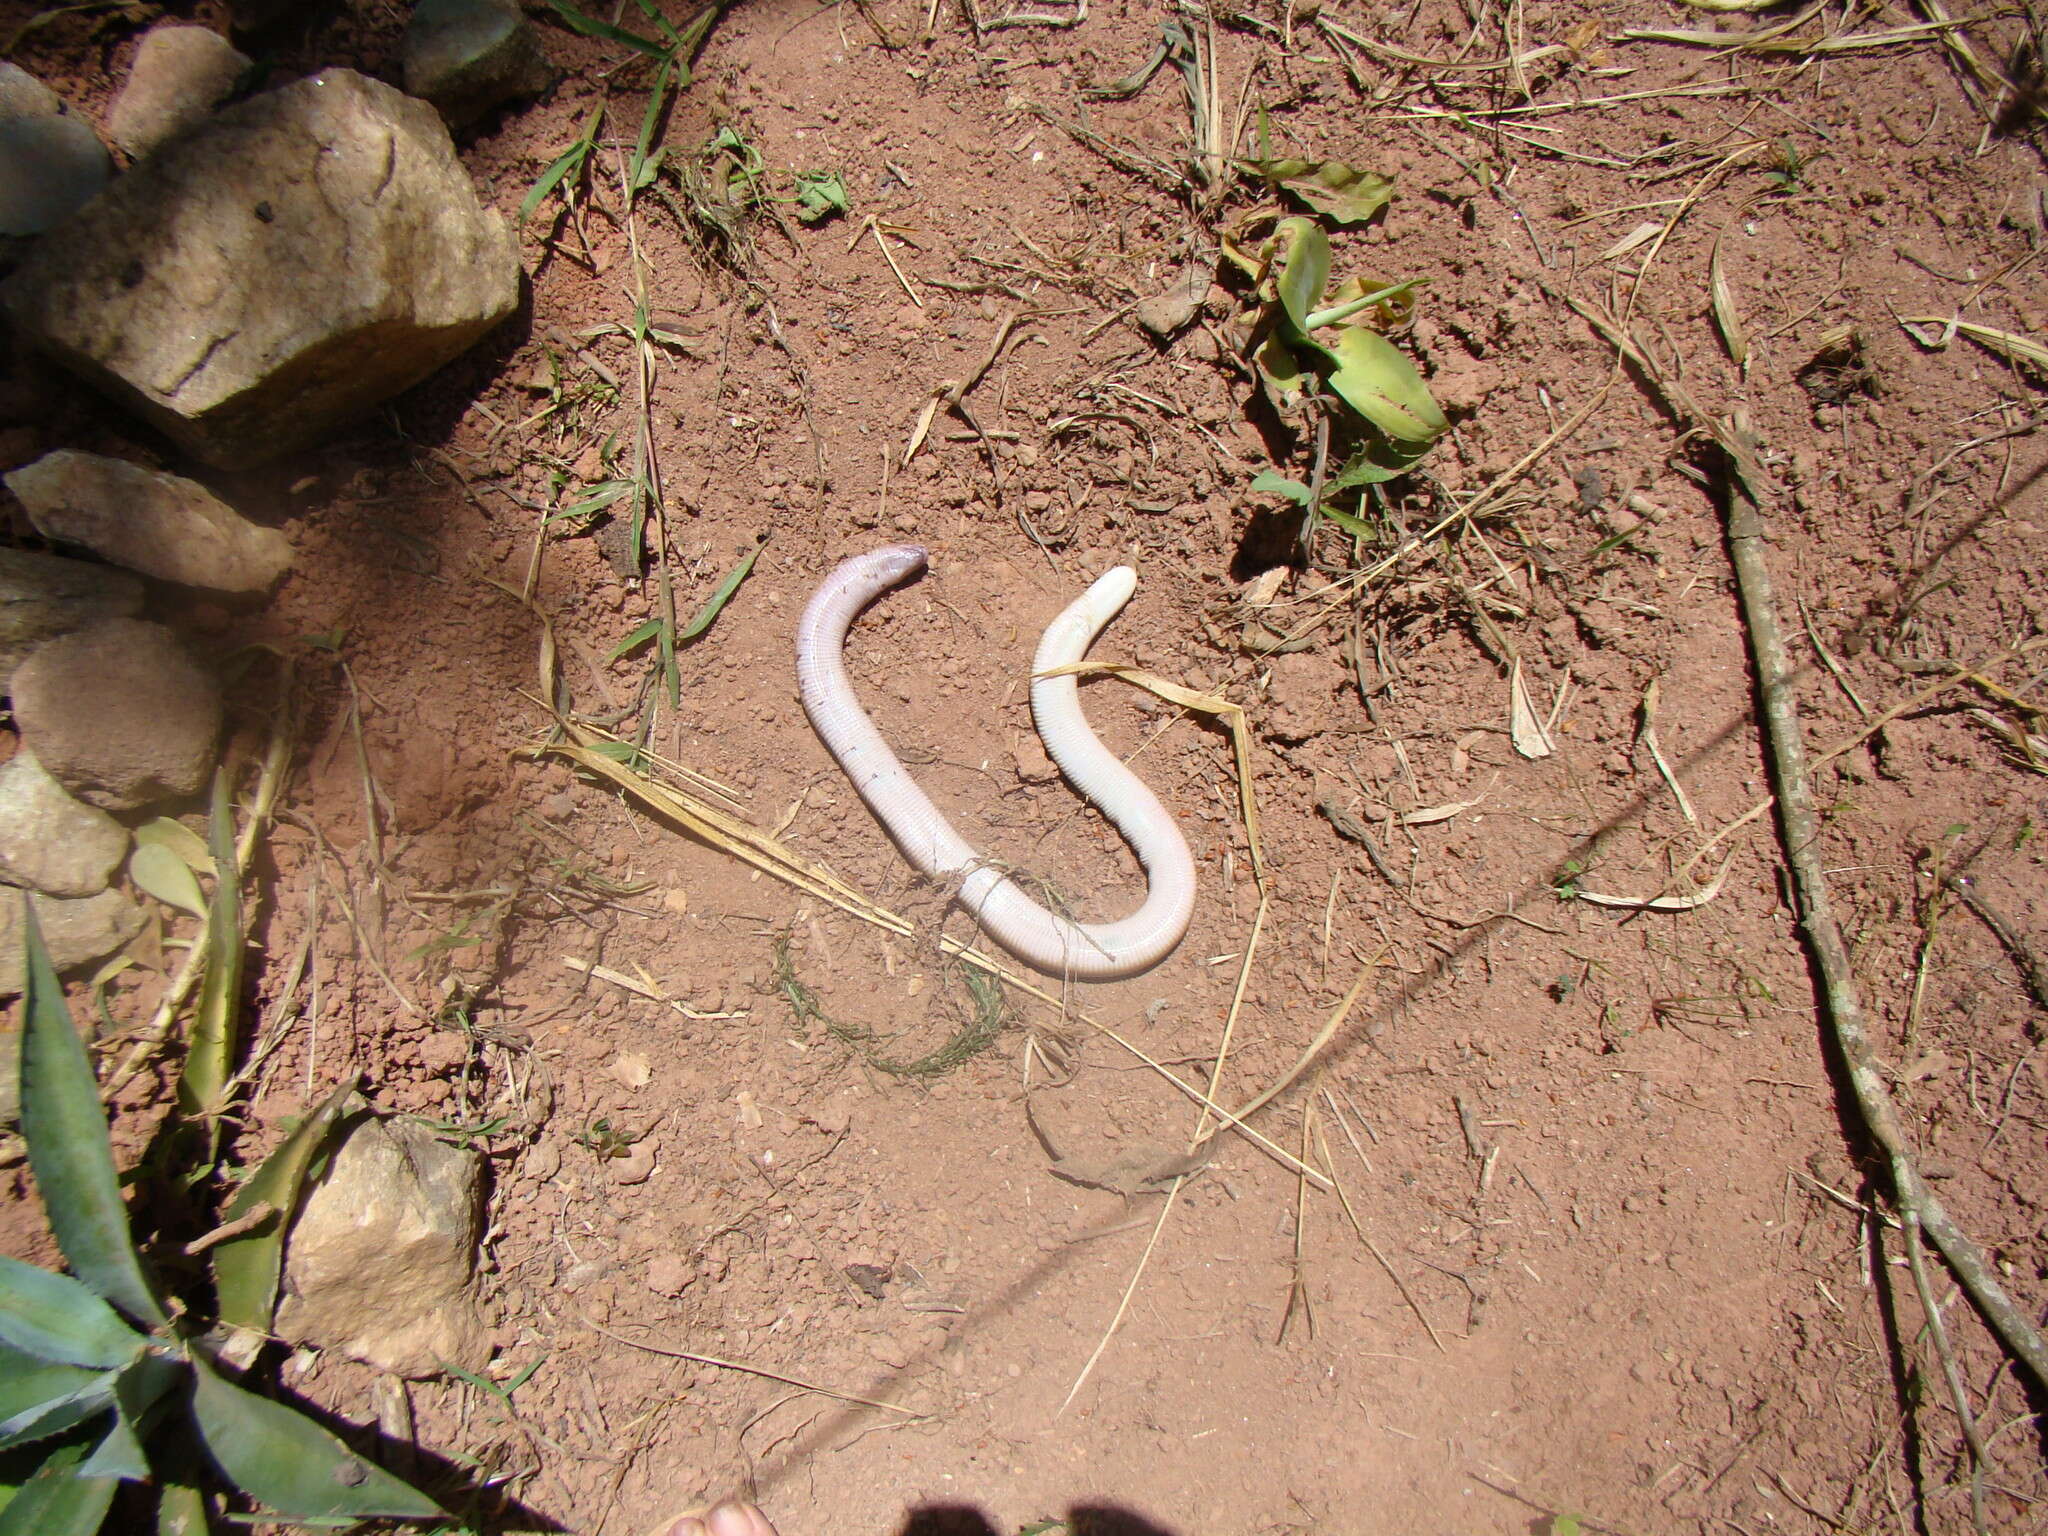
(44, 596)
(179, 75)
(379, 1262)
(49, 841)
(285, 265)
(51, 163)
(468, 56)
(120, 714)
(161, 525)
(76, 932)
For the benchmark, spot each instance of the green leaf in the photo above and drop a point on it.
(1373, 464)
(56, 1319)
(246, 1266)
(278, 1456)
(604, 494)
(1303, 271)
(590, 26)
(181, 1511)
(639, 637)
(119, 1454)
(701, 620)
(38, 1400)
(66, 1131)
(1339, 192)
(643, 168)
(180, 839)
(57, 1501)
(165, 876)
(568, 162)
(1375, 378)
(28, 1384)
(210, 1053)
(1270, 482)
(820, 195)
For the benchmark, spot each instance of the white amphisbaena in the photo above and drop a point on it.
(1086, 951)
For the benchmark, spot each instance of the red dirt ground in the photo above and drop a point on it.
(1611, 1248)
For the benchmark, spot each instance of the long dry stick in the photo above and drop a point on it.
(1792, 778)
(1842, 1002)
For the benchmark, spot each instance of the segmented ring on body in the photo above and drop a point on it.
(1045, 939)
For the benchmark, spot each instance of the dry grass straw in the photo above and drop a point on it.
(752, 1370)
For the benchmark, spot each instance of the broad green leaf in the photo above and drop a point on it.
(210, 1053)
(58, 1502)
(246, 1267)
(74, 1395)
(165, 876)
(1376, 379)
(68, 1150)
(701, 620)
(56, 1319)
(286, 1461)
(1302, 270)
(119, 1454)
(1280, 371)
(1270, 482)
(181, 1511)
(29, 1385)
(1373, 464)
(180, 839)
(1341, 193)
(820, 195)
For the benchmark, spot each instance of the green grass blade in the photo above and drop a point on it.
(283, 1459)
(246, 1267)
(210, 1055)
(639, 637)
(590, 26)
(649, 121)
(701, 620)
(68, 1150)
(565, 164)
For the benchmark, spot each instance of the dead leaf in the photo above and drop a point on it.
(1138, 1170)
(1698, 898)
(1641, 235)
(1524, 728)
(632, 1069)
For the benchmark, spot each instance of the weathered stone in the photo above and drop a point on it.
(23, 95)
(284, 265)
(1167, 312)
(468, 56)
(75, 931)
(161, 525)
(44, 596)
(119, 713)
(179, 75)
(49, 841)
(51, 163)
(379, 1261)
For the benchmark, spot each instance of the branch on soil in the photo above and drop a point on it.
(1800, 823)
